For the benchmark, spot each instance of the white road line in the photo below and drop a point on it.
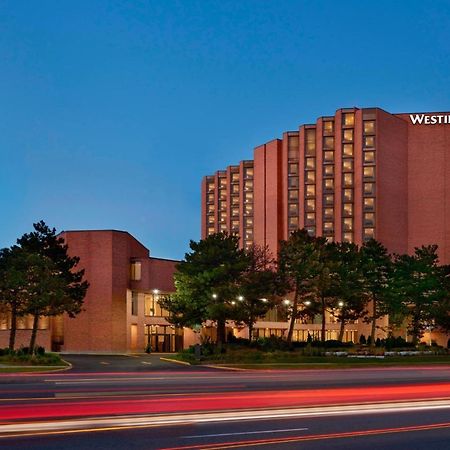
(244, 432)
(145, 362)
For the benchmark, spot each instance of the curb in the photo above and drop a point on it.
(214, 366)
(184, 363)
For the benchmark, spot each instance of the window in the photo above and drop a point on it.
(235, 225)
(136, 271)
(328, 156)
(210, 219)
(222, 182)
(293, 194)
(235, 200)
(248, 222)
(293, 209)
(369, 204)
(248, 185)
(347, 237)
(328, 183)
(369, 126)
(328, 199)
(211, 230)
(222, 194)
(348, 119)
(310, 218)
(235, 189)
(210, 187)
(293, 222)
(249, 234)
(210, 198)
(293, 182)
(328, 226)
(369, 172)
(369, 157)
(210, 209)
(347, 149)
(369, 141)
(328, 213)
(223, 227)
(348, 135)
(310, 205)
(152, 307)
(310, 176)
(328, 126)
(347, 195)
(369, 233)
(347, 165)
(293, 169)
(310, 141)
(369, 219)
(248, 209)
(348, 179)
(347, 209)
(328, 142)
(249, 196)
(134, 303)
(310, 163)
(347, 224)
(222, 206)
(235, 211)
(248, 172)
(328, 170)
(310, 190)
(369, 188)
(235, 177)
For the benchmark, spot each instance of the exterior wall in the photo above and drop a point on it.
(43, 339)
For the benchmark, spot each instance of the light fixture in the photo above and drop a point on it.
(307, 303)
(341, 303)
(214, 296)
(156, 291)
(241, 298)
(264, 300)
(233, 302)
(286, 301)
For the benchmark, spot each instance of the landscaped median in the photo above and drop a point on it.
(12, 361)
(312, 357)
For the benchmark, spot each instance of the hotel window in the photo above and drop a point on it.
(293, 222)
(347, 237)
(210, 198)
(310, 176)
(222, 182)
(211, 230)
(235, 211)
(310, 190)
(223, 217)
(223, 206)
(328, 226)
(248, 185)
(134, 303)
(348, 135)
(328, 156)
(235, 177)
(369, 157)
(347, 209)
(347, 195)
(248, 197)
(223, 227)
(369, 188)
(211, 187)
(235, 189)
(293, 194)
(310, 218)
(293, 169)
(210, 220)
(152, 307)
(328, 199)
(347, 165)
(311, 231)
(328, 170)
(369, 233)
(293, 182)
(328, 213)
(310, 142)
(348, 119)
(248, 209)
(369, 141)
(347, 224)
(249, 234)
(369, 204)
(235, 200)
(369, 219)
(348, 179)
(328, 142)
(223, 194)
(293, 209)
(328, 184)
(369, 172)
(369, 127)
(310, 163)
(347, 149)
(310, 205)
(136, 271)
(328, 126)
(248, 172)
(210, 209)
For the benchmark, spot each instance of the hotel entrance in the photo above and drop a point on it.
(163, 338)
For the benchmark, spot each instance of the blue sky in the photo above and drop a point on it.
(112, 111)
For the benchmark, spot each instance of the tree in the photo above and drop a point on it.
(207, 283)
(296, 268)
(419, 288)
(376, 269)
(349, 285)
(258, 287)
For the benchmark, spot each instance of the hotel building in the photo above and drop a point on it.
(357, 174)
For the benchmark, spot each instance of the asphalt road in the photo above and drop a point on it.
(142, 402)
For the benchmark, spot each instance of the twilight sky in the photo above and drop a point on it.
(112, 111)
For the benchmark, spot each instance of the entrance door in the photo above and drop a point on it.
(163, 338)
(133, 337)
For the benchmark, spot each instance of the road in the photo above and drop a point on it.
(125, 402)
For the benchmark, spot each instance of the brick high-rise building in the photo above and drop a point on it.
(359, 174)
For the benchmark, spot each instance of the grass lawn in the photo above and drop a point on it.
(27, 363)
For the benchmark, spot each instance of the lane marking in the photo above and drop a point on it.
(245, 433)
(145, 362)
(104, 362)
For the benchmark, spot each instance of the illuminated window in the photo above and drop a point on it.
(222, 194)
(369, 219)
(152, 306)
(347, 165)
(310, 143)
(293, 169)
(222, 206)
(347, 195)
(310, 218)
(210, 208)
(210, 187)
(249, 234)
(369, 204)
(328, 142)
(348, 135)
(293, 182)
(248, 185)
(136, 271)
(248, 209)
(369, 141)
(235, 189)
(222, 182)
(249, 196)
(328, 170)
(369, 172)
(348, 119)
(369, 157)
(223, 227)
(347, 149)
(248, 172)
(347, 209)
(310, 190)
(328, 126)
(293, 209)
(293, 194)
(235, 200)
(348, 179)
(328, 213)
(328, 226)
(310, 205)
(211, 230)
(235, 225)
(248, 222)
(293, 222)
(235, 177)
(328, 199)
(347, 237)
(369, 126)
(328, 183)
(310, 176)
(310, 163)
(328, 156)
(210, 198)
(235, 211)
(347, 224)
(210, 220)
(369, 233)
(369, 188)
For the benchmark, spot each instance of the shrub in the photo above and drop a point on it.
(362, 340)
(40, 351)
